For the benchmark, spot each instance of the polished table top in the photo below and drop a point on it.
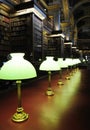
(68, 109)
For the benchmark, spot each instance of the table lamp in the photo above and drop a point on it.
(70, 63)
(76, 63)
(49, 65)
(62, 64)
(17, 68)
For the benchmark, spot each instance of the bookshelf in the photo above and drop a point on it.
(47, 29)
(37, 38)
(4, 44)
(55, 46)
(4, 37)
(18, 33)
(26, 36)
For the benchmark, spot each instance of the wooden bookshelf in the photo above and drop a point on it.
(26, 36)
(18, 33)
(37, 38)
(4, 37)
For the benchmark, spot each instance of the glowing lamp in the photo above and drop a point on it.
(62, 64)
(49, 65)
(69, 62)
(17, 68)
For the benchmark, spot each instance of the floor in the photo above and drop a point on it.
(68, 109)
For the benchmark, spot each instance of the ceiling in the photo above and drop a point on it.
(81, 12)
(79, 9)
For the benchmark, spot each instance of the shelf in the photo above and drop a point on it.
(4, 37)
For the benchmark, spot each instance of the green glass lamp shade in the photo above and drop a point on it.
(73, 62)
(77, 61)
(62, 63)
(83, 60)
(49, 64)
(17, 68)
(69, 61)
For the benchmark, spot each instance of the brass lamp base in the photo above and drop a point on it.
(60, 83)
(71, 74)
(20, 115)
(68, 77)
(49, 92)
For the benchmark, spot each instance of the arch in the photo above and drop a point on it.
(79, 4)
(85, 25)
(82, 18)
